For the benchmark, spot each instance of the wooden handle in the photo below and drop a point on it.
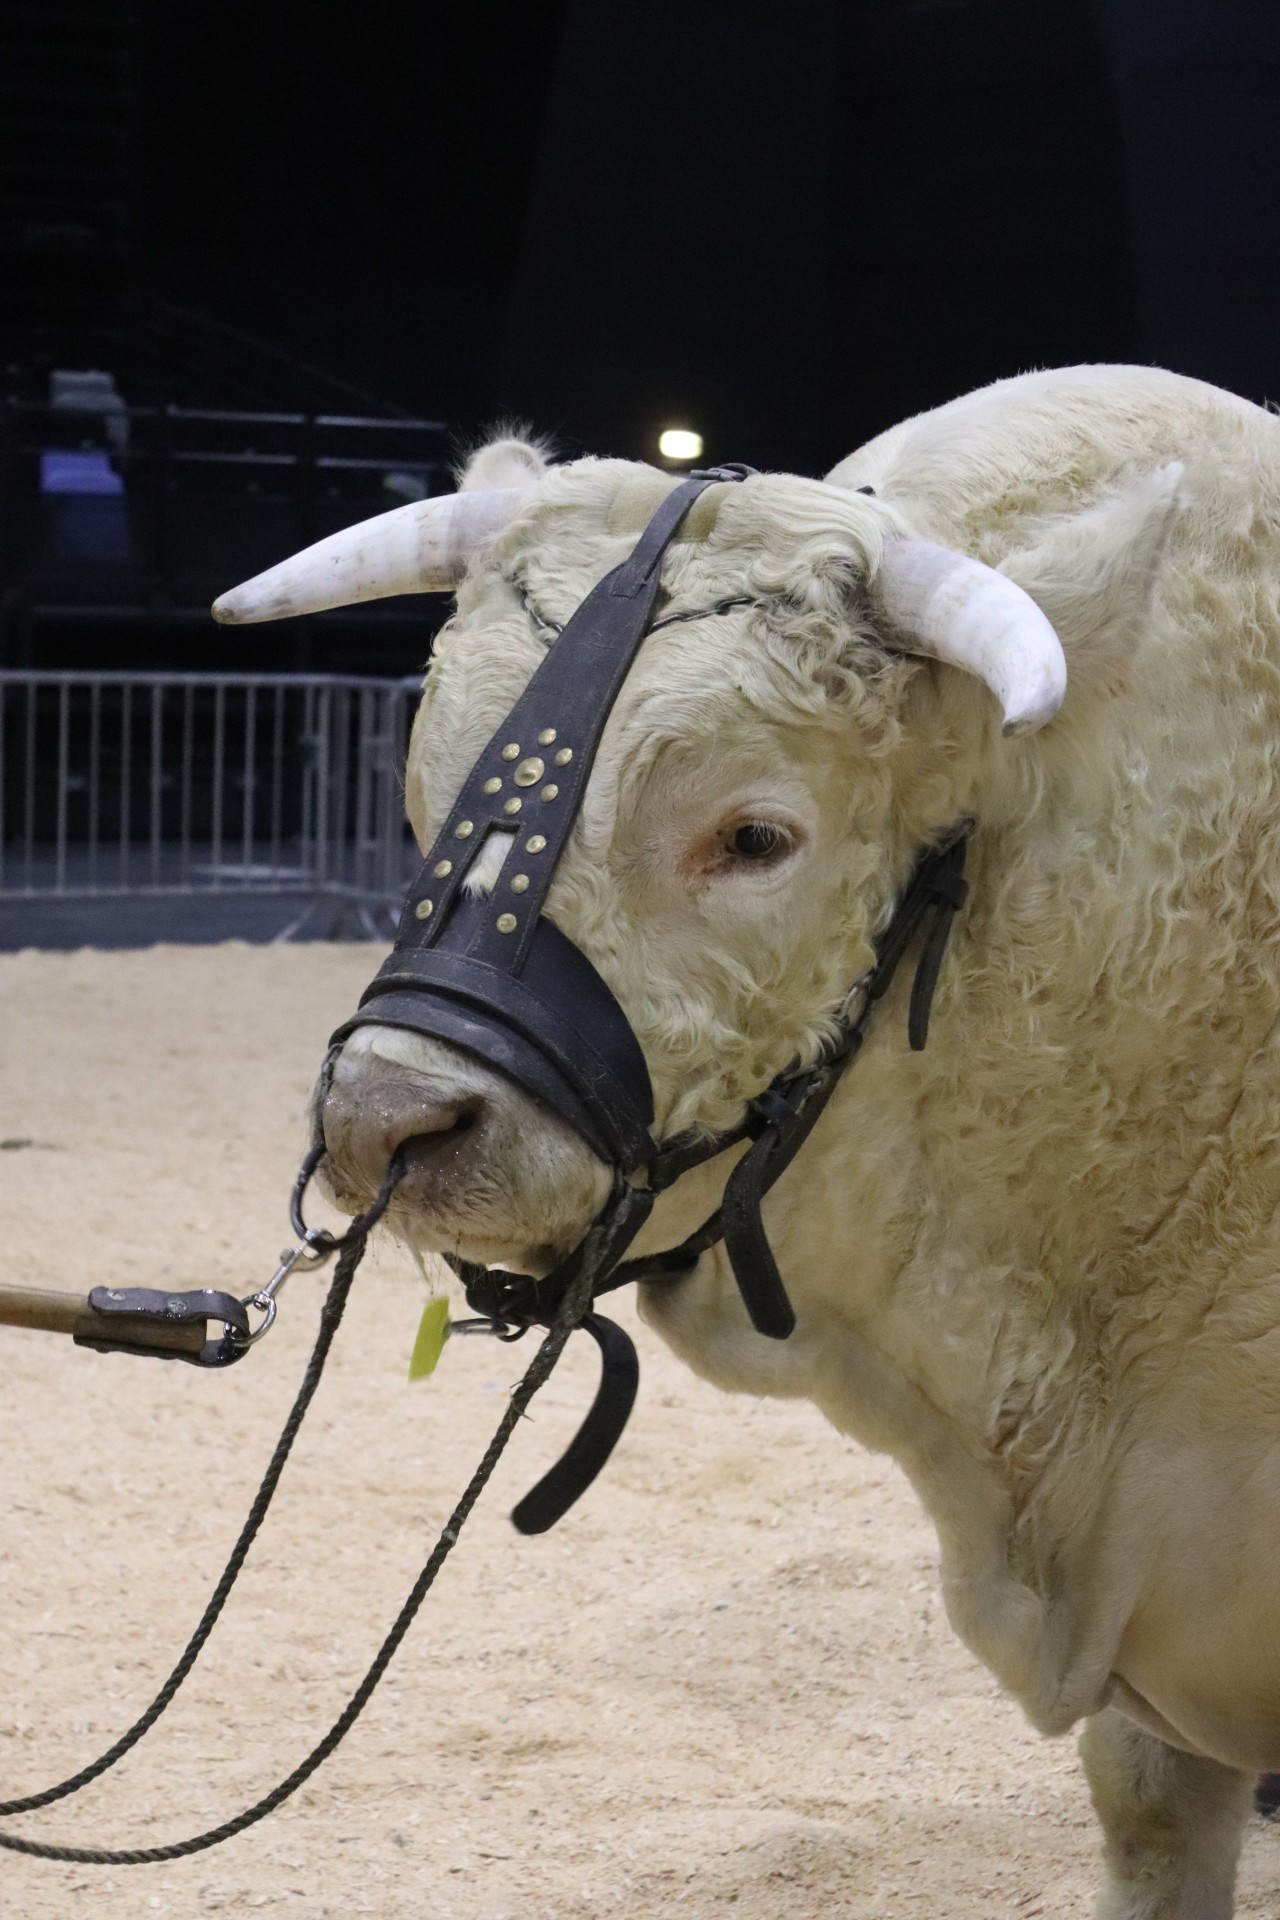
(50, 1312)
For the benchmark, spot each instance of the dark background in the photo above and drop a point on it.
(786, 223)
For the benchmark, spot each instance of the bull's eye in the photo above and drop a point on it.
(758, 840)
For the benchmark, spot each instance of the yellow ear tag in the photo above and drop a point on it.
(433, 1331)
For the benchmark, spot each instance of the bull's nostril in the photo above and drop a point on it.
(370, 1113)
(424, 1144)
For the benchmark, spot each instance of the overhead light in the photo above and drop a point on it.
(677, 443)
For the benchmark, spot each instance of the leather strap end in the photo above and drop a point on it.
(595, 1439)
(747, 1244)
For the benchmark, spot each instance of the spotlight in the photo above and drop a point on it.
(677, 443)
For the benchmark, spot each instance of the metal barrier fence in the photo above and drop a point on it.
(119, 784)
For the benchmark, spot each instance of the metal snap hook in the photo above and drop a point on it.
(309, 1253)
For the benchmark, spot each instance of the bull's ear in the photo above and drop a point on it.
(1094, 573)
(510, 461)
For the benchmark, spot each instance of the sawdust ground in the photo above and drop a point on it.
(724, 1686)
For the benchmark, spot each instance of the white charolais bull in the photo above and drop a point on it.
(1038, 1262)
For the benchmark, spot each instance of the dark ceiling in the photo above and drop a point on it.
(786, 222)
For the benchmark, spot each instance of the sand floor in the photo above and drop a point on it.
(723, 1686)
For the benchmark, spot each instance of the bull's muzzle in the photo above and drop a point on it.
(373, 1106)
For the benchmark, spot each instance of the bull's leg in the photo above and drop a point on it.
(1172, 1824)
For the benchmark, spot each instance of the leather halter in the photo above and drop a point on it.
(492, 975)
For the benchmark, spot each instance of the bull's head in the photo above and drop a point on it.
(769, 772)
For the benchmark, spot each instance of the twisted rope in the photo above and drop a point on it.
(576, 1301)
(351, 1250)
(330, 1318)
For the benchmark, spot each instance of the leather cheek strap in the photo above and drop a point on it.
(939, 887)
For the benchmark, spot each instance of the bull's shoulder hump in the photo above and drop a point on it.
(1088, 422)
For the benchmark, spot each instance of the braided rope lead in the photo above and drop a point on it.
(575, 1303)
(330, 1316)
(351, 1250)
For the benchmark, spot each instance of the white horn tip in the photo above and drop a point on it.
(1020, 723)
(246, 605)
(1036, 705)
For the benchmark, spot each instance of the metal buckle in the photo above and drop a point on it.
(497, 1329)
(859, 990)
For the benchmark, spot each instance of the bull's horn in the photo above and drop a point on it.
(957, 610)
(421, 548)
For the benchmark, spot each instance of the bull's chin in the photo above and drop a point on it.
(477, 1234)
(477, 1242)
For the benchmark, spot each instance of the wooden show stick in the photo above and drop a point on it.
(50, 1312)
